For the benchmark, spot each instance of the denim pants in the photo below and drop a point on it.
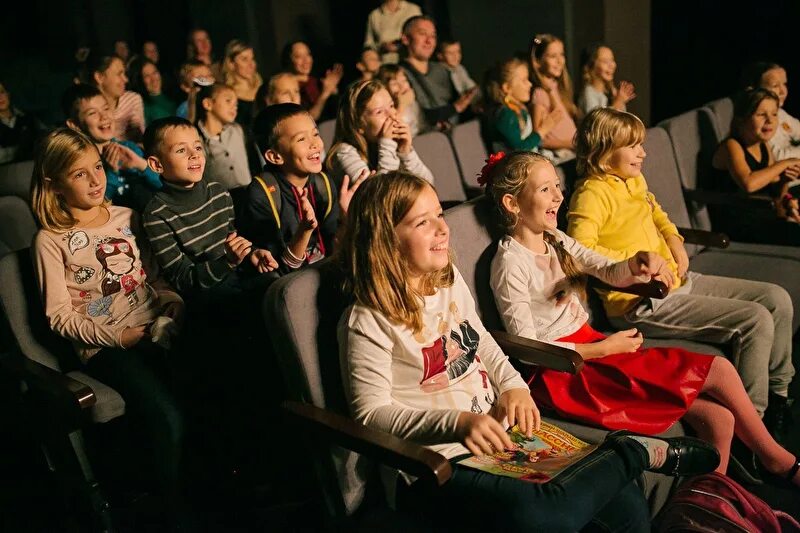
(596, 494)
(753, 318)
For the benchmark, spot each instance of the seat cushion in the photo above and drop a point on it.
(110, 404)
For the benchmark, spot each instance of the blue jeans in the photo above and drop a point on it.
(596, 494)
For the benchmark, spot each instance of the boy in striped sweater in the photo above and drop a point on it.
(190, 222)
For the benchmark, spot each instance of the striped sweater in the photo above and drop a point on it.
(187, 229)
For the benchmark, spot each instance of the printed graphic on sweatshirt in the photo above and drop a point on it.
(117, 258)
(78, 240)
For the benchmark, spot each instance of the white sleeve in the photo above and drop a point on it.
(349, 162)
(412, 163)
(617, 274)
(388, 159)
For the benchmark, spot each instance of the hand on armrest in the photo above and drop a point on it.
(735, 200)
(539, 353)
(382, 447)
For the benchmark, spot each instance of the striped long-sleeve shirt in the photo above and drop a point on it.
(187, 229)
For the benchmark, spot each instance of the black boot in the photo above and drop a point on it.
(778, 416)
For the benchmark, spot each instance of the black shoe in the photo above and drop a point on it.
(778, 416)
(686, 456)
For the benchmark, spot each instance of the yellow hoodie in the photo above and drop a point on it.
(618, 217)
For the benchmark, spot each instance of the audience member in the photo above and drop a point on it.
(369, 63)
(241, 74)
(314, 92)
(146, 80)
(150, 51)
(384, 27)
(405, 100)
(193, 74)
(450, 56)
(199, 48)
(599, 87)
(785, 143)
(107, 73)
(18, 130)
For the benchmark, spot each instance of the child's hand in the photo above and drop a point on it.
(346, 191)
(131, 336)
(550, 85)
(309, 221)
(679, 254)
(464, 100)
(517, 407)
(387, 130)
(625, 93)
(482, 434)
(236, 248)
(549, 121)
(330, 83)
(625, 341)
(263, 261)
(402, 134)
(792, 172)
(653, 265)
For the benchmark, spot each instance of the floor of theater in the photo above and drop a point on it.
(233, 496)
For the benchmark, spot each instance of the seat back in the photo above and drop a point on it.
(326, 131)
(22, 307)
(302, 311)
(470, 151)
(693, 142)
(664, 181)
(722, 114)
(435, 151)
(17, 225)
(15, 179)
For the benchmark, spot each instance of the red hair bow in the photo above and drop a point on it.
(483, 177)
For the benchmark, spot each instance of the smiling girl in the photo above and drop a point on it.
(599, 87)
(370, 136)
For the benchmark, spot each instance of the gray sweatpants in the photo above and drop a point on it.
(753, 318)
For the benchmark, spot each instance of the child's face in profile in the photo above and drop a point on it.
(286, 91)
(302, 60)
(539, 200)
(519, 85)
(763, 123)
(379, 109)
(423, 235)
(95, 119)
(299, 147)
(451, 55)
(551, 64)
(181, 159)
(775, 80)
(84, 185)
(223, 105)
(626, 162)
(605, 66)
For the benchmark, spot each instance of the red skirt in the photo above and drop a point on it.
(645, 391)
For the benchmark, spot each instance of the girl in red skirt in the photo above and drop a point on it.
(538, 277)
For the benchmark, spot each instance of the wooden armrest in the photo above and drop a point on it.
(385, 448)
(52, 384)
(652, 289)
(741, 201)
(539, 353)
(712, 239)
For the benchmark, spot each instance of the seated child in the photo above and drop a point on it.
(369, 63)
(281, 88)
(369, 136)
(292, 209)
(223, 138)
(744, 162)
(190, 71)
(100, 290)
(417, 363)
(129, 181)
(449, 55)
(599, 87)
(785, 143)
(537, 278)
(405, 99)
(613, 213)
(508, 90)
(190, 225)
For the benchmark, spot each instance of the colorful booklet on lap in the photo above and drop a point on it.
(537, 459)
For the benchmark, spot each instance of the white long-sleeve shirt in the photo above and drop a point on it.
(788, 131)
(414, 386)
(348, 161)
(523, 283)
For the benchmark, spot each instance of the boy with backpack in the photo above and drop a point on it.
(292, 209)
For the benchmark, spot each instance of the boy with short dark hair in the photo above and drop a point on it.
(293, 210)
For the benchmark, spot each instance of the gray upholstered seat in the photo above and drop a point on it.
(17, 226)
(722, 113)
(326, 131)
(470, 150)
(436, 152)
(15, 179)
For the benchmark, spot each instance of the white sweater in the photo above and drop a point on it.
(788, 131)
(415, 386)
(524, 282)
(348, 161)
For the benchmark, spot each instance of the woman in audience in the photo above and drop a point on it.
(552, 89)
(107, 73)
(99, 290)
(146, 80)
(599, 87)
(418, 364)
(369, 135)
(241, 74)
(612, 212)
(745, 163)
(314, 92)
(405, 99)
(538, 278)
(508, 90)
(199, 48)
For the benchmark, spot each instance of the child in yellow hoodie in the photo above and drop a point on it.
(613, 213)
